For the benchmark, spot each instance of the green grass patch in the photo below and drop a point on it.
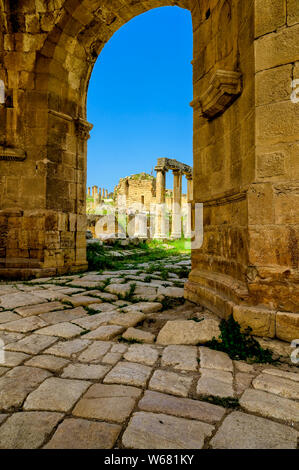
(238, 345)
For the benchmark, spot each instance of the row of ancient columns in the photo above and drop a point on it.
(98, 194)
(161, 225)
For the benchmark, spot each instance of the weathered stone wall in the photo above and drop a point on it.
(137, 190)
(245, 146)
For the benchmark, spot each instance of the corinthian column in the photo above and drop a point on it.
(160, 222)
(188, 226)
(176, 230)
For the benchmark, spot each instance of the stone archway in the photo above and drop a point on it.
(243, 169)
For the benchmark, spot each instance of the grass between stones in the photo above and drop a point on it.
(227, 402)
(240, 345)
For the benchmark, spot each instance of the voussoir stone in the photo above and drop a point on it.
(243, 431)
(188, 332)
(159, 431)
(129, 373)
(107, 402)
(184, 407)
(270, 406)
(170, 382)
(83, 434)
(27, 430)
(56, 394)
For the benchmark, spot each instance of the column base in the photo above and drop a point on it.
(24, 274)
(263, 322)
(176, 236)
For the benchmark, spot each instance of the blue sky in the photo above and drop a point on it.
(138, 98)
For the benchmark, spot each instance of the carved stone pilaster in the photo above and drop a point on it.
(223, 89)
(83, 128)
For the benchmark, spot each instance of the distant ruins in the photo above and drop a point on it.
(144, 193)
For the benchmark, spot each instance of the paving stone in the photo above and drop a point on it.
(107, 402)
(27, 430)
(277, 385)
(243, 381)
(81, 300)
(148, 297)
(7, 338)
(68, 349)
(60, 316)
(62, 330)
(39, 308)
(128, 373)
(91, 322)
(170, 382)
(17, 383)
(84, 434)
(215, 382)
(12, 359)
(119, 348)
(3, 370)
(104, 307)
(145, 307)
(159, 431)
(6, 317)
(127, 319)
(3, 417)
(118, 289)
(270, 406)
(95, 352)
(19, 299)
(25, 325)
(188, 332)
(243, 431)
(244, 367)
(210, 359)
(105, 333)
(112, 358)
(184, 407)
(143, 353)
(86, 284)
(51, 363)
(105, 296)
(50, 295)
(32, 344)
(176, 292)
(282, 373)
(85, 371)
(180, 357)
(139, 335)
(144, 292)
(56, 394)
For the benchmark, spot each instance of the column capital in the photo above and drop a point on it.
(83, 128)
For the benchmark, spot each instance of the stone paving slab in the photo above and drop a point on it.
(142, 353)
(270, 406)
(215, 382)
(51, 363)
(25, 325)
(65, 330)
(139, 335)
(243, 431)
(60, 316)
(56, 394)
(7, 316)
(182, 407)
(68, 349)
(32, 344)
(159, 431)
(218, 360)
(170, 382)
(129, 373)
(16, 384)
(105, 333)
(85, 371)
(84, 434)
(27, 430)
(107, 402)
(277, 385)
(180, 357)
(39, 309)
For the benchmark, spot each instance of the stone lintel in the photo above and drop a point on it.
(166, 164)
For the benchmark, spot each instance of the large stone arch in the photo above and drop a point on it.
(245, 164)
